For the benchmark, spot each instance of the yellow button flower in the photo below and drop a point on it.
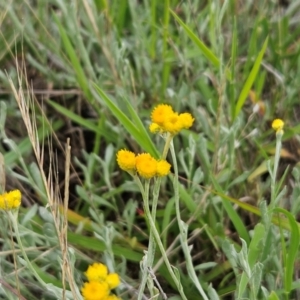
(126, 160)
(186, 120)
(96, 272)
(113, 280)
(277, 125)
(154, 128)
(146, 165)
(172, 123)
(163, 168)
(95, 290)
(10, 200)
(166, 120)
(160, 112)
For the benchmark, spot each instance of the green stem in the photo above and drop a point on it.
(183, 228)
(144, 266)
(276, 163)
(155, 233)
(167, 145)
(145, 194)
(162, 250)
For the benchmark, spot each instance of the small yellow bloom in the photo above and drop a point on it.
(186, 120)
(146, 165)
(166, 120)
(96, 272)
(113, 297)
(172, 123)
(277, 125)
(154, 128)
(126, 160)
(113, 280)
(163, 168)
(10, 200)
(160, 112)
(95, 290)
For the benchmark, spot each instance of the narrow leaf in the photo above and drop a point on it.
(293, 249)
(251, 78)
(202, 47)
(133, 129)
(110, 136)
(81, 78)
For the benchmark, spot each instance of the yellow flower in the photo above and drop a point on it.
(166, 120)
(96, 272)
(172, 123)
(126, 160)
(146, 165)
(163, 168)
(186, 120)
(154, 128)
(277, 125)
(10, 200)
(160, 112)
(113, 280)
(113, 297)
(95, 290)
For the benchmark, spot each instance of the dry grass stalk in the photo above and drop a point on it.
(52, 192)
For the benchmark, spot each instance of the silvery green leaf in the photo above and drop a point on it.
(255, 279)
(213, 295)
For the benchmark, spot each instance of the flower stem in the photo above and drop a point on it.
(167, 145)
(149, 255)
(145, 194)
(162, 250)
(275, 169)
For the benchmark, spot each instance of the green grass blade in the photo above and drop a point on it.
(292, 251)
(132, 128)
(81, 121)
(202, 47)
(280, 222)
(250, 80)
(91, 243)
(143, 132)
(80, 75)
(233, 215)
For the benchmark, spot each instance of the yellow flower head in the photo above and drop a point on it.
(10, 200)
(277, 125)
(95, 290)
(172, 123)
(146, 165)
(166, 120)
(113, 280)
(126, 160)
(186, 120)
(160, 112)
(163, 168)
(113, 297)
(154, 128)
(96, 272)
